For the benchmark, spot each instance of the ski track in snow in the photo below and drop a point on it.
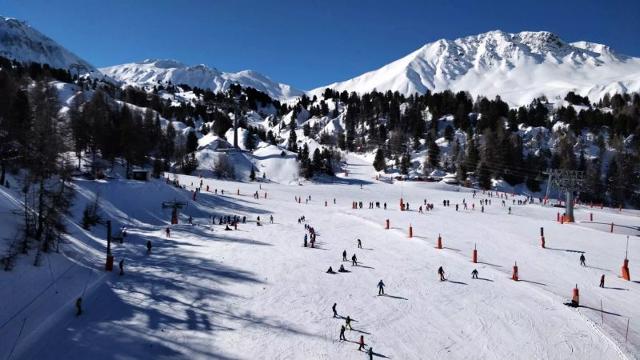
(258, 293)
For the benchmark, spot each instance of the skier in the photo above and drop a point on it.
(385, 206)
(330, 271)
(190, 220)
(441, 273)
(121, 266)
(79, 306)
(344, 255)
(370, 353)
(167, 232)
(354, 260)
(271, 218)
(380, 288)
(359, 244)
(361, 347)
(602, 281)
(474, 274)
(342, 329)
(335, 312)
(227, 228)
(582, 260)
(148, 246)
(305, 240)
(348, 322)
(342, 269)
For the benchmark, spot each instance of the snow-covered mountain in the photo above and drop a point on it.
(153, 72)
(518, 67)
(21, 42)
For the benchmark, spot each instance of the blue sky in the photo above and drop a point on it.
(307, 43)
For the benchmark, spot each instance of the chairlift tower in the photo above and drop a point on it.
(568, 181)
(238, 108)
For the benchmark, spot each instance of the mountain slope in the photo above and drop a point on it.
(21, 42)
(518, 67)
(153, 71)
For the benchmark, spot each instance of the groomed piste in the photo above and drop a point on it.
(256, 292)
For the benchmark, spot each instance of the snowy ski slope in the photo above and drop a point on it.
(257, 293)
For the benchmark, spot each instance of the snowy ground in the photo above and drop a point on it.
(258, 293)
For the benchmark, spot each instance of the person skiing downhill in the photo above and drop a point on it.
(380, 288)
(474, 274)
(370, 353)
(359, 244)
(441, 273)
(602, 281)
(348, 322)
(583, 260)
(148, 246)
(167, 232)
(342, 329)
(354, 260)
(335, 312)
(361, 342)
(121, 265)
(344, 255)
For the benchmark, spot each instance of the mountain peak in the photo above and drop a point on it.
(20, 42)
(163, 63)
(518, 66)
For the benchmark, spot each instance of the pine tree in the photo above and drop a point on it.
(292, 143)
(484, 176)
(192, 141)
(167, 147)
(379, 162)
(472, 156)
(43, 155)
(433, 155)
(316, 162)
(79, 127)
(405, 164)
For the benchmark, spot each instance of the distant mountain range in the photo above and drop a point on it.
(154, 72)
(517, 66)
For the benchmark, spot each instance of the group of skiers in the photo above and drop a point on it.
(228, 220)
(347, 325)
(372, 205)
(306, 200)
(309, 235)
